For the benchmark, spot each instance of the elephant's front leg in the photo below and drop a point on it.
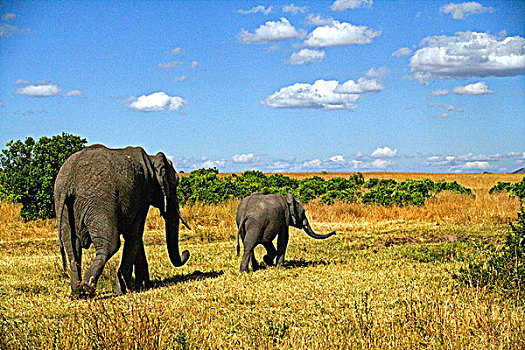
(282, 243)
(142, 279)
(129, 254)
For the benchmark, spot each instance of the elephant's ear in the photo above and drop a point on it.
(292, 208)
(161, 173)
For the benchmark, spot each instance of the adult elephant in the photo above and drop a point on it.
(260, 218)
(102, 193)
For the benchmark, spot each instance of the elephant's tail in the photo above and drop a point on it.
(60, 204)
(240, 232)
(64, 212)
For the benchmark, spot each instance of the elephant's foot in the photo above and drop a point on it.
(143, 285)
(268, 260)
(121, 286)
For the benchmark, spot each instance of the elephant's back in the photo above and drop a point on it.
(96, 168)
(259, 206)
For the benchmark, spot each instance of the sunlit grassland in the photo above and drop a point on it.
(385, 280)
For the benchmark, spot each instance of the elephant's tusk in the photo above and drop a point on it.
(183, 220)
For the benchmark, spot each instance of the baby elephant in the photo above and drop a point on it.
(261, 217)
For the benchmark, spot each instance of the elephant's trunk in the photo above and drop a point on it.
(172, 240)
(308, 229)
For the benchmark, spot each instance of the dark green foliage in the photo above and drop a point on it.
(345, 196)
(29, 169)
(515, 190)
(505, 266)
(408, 192)
(452, 187)
(206, 186)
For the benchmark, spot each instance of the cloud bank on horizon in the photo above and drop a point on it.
(339, 62)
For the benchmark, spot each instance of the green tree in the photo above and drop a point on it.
(29, 169)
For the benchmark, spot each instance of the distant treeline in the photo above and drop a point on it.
(28, 170)
(204, 185)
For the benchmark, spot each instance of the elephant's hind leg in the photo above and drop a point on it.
(248, 256)
(73, 248)
(271, 252)
(106, 240)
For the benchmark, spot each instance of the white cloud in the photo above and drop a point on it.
(170, 65)
(40, 89)
(195, 64)
(370, 83)
(271, 31)
(307, 56)
(246, 158)
(479, 88)
(43, 88)
(384, 152)
(469, 54)
(8, 16)
(176, 51)
(2, 104)
(279, 166)
(380, 164)
(180, 79)
(295, 9)
(158, 101)
(443, 115)
(327, 95)
(404, 51)
(459, 11)
(212, 164)
(466, 162)
(312, 164)
(447, 107)
(73, 93)
(317, 20)
(477, 165)
(7, 30)
(337, 159)
(378, 73)
(341, 5)
(363, 85)
(442, 92)
(257, 9)
(340, 34)
(319, 95)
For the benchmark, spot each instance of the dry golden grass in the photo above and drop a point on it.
(384, 281)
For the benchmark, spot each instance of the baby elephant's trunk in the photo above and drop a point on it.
(308, 229)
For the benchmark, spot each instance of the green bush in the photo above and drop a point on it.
(408, 192)
(29, 169)
(505, 266)
(204, 185)
(515, 190)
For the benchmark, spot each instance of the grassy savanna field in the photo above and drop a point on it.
(385, 280)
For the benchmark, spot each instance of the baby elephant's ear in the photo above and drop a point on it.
(292, 207)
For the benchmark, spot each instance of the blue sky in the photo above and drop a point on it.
(346, 85)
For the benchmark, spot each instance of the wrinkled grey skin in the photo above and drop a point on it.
(101, 194)
(260, 218)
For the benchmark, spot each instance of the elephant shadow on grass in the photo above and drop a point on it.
(194, 276)
(294, 264)
(166, 282)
